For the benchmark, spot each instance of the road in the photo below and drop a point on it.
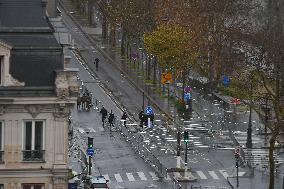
(210, 166)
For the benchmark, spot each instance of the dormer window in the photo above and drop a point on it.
(5, 78)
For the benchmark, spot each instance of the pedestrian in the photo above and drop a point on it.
(141, 117)
(124, 117)
(111, 118)
(152, 118)
(104, 114)
(84, 101)
(78, 102)
(88, 102)
(97, 63)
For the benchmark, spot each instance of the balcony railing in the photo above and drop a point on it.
(1, 158)
(33, 155)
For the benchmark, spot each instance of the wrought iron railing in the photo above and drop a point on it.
(33, 155)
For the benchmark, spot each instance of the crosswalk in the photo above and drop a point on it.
(259, 157)
(146, 176)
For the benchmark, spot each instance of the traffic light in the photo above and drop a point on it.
(185, 136)
(90, 142)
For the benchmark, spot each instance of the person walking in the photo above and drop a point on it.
(84, 101)
(124, 117)
(111, 119)
(97, 63)
(104, 115)
(79, 102)
(142, 118)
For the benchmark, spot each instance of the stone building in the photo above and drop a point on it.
(36, 95)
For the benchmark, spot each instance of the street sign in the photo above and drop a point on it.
(166, 78)
(90, 151)
(149, 110)
(187, 96)
(226, 80)
(187, 89)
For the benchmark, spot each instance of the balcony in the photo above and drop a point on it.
(33, 155)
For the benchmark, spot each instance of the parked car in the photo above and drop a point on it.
(96, 182)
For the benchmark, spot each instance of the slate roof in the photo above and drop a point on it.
(22, 14)
(30, 40)
(35, 54)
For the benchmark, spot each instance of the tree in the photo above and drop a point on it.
(174, 47)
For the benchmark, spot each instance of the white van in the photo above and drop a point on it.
(96, 182)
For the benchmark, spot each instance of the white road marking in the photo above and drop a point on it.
(118, 178)
(224, 173)
(130, 177)
(141, 175)
(106, 177)
(154, 176)
(213, 175)
(201, 175)
(242, 173)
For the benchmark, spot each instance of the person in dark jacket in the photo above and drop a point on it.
(111, 118)
(124, 117)
(97, 63)
(104, 114)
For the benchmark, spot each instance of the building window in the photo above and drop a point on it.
(34, 136)
(32, 186)
(1, 142)
(1, 186)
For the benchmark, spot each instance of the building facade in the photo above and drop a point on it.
(37, 93)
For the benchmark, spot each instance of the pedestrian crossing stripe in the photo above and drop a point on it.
(130, 177)
(213, 175)
(141, 175)
(201, 174)
(118, 178)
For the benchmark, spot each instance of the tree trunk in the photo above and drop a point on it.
(112, 37)
(127, 48)
(122, 45)
(183, 83)
(271, 160)
(149, 68)
(89, 12)
(104, 27)
(155, 69)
